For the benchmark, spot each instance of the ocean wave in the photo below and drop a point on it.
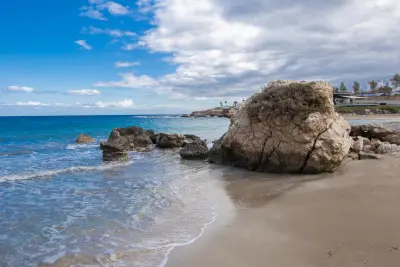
(79, 146)
(49, 173)
(15, 153)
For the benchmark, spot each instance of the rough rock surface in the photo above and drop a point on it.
(126, 139)
(113, 152)
(288, 127)
(358, 145)
(84, 138)
(377, 139)
(195, 150)
(170, 140)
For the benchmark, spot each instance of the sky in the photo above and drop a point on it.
(176, 56)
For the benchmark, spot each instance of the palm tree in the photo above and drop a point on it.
(226, 102)
(235, 103)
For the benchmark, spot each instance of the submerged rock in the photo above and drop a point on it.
(84, 138)
(195, 150)
(289, 127)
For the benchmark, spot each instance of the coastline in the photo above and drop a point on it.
(371, 117)
(343, 219)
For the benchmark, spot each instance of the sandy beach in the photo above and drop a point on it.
(349, 218)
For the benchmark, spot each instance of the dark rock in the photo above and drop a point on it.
(392, 138)
(84, 138)
(370, 131)
(195, 150)
(170, 140)
(112, 152)
(127, 139)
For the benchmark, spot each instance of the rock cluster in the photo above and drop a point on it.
(122, 140)
(84, 138)
(215, 112)
(289, 127)
(371, 141)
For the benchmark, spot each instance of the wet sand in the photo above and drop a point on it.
(349, 218)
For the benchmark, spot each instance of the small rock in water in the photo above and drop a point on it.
(84, 138)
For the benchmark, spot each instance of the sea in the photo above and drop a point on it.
(61, 205)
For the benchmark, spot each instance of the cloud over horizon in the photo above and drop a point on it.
(230, 48)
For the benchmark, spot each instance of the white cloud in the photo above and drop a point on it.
(129, 80)
(117, 9)
(84, 92)
(129, 47)
(92, 13)
(96, 8)
(23, 89)
(126, 64)
(111, 32)
(31, 104)
(84, 44)
(229, 48)
(127, 103)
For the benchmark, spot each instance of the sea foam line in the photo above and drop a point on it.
(49, 173)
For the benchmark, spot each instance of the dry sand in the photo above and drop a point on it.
(350, 218)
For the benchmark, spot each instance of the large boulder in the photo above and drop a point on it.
(195, 150)
(289, 127)
(126, 139)
(84, 138)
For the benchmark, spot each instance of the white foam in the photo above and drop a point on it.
(79, 146)
(49, 173)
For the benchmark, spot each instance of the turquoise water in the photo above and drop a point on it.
(58, 198)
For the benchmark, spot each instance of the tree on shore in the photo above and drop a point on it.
(336, 89)
(222, 105)
(343, 87)
(396, 81)
(373, 85)
(235, 103)
(356, 88)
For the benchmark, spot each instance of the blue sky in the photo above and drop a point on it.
(174, 56)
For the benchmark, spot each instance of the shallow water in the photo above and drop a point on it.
(62, 206)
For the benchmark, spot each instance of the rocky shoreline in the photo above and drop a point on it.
(289, 127)
(215, 112)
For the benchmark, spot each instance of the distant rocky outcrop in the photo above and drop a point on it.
(215, 112)
(84, 138)
(370, 141)
(289, 127)
(195, 150)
